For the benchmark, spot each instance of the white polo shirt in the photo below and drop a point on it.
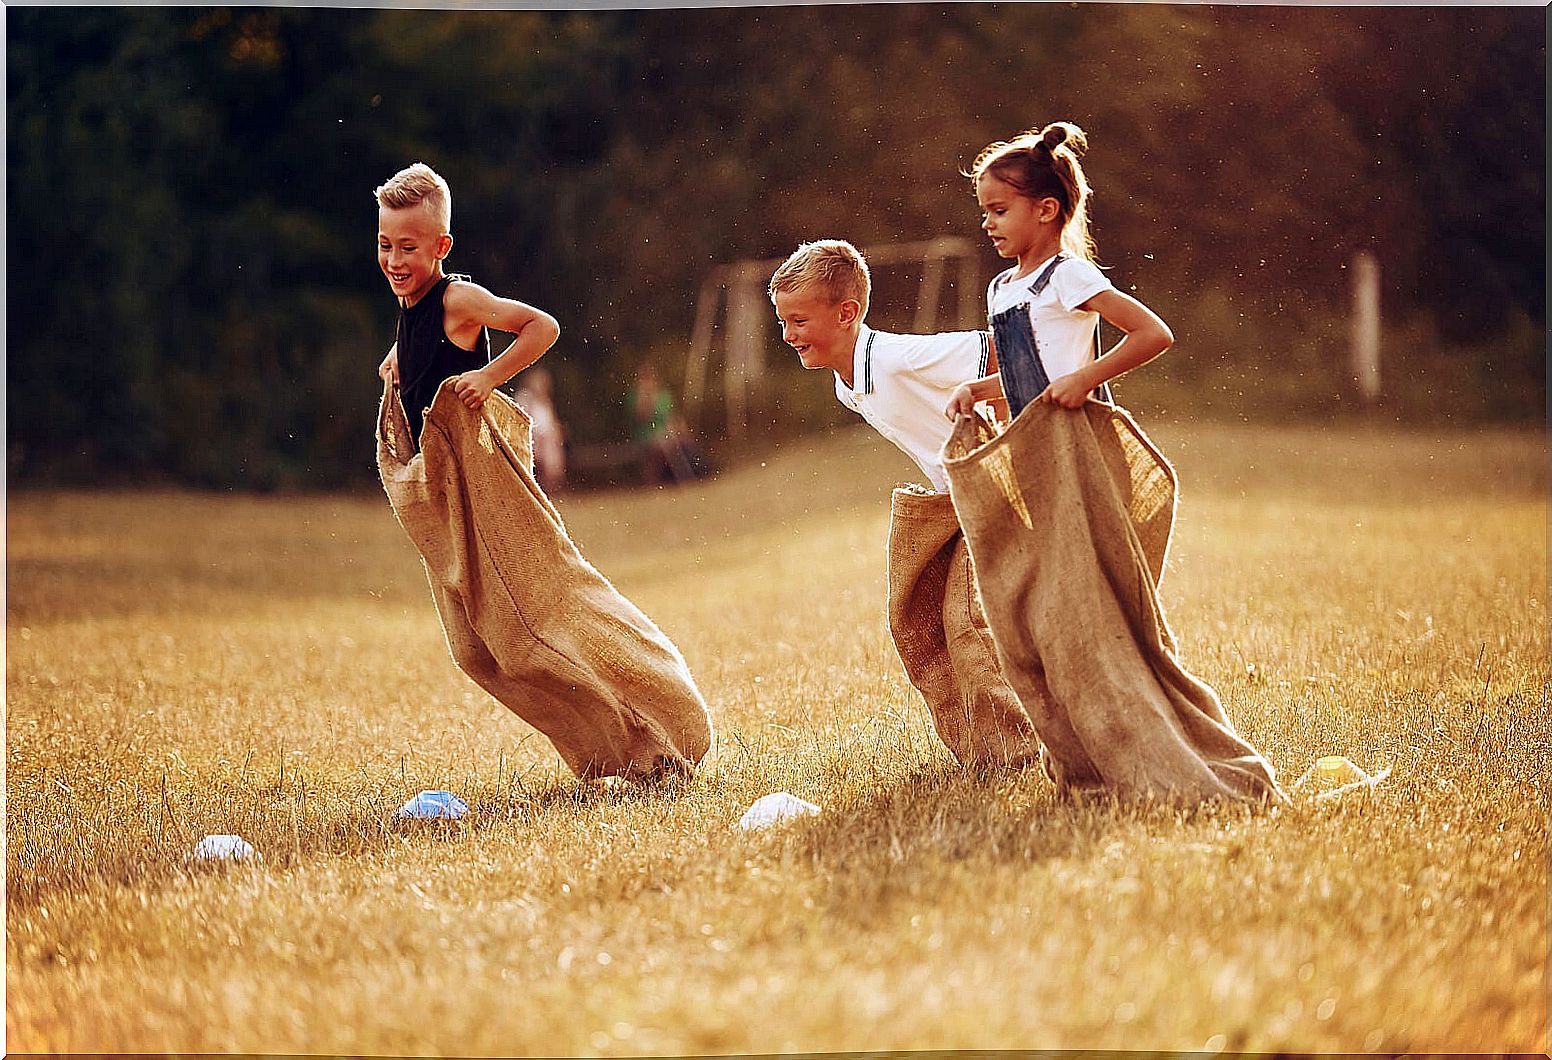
(1064, 332)
(901, 385)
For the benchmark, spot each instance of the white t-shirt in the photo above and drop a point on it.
(1064, 333)
(901, 385)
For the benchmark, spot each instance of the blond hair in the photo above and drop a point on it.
(1043, 163)
(833, 266)
(416, 185)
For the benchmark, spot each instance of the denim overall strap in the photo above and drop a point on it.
(1018, 354)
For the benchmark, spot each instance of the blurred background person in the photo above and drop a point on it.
(659, 431)
(534, 394)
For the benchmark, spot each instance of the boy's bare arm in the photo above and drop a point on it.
(967, 396)
(389, 369)
(468, 307)
(998, 400)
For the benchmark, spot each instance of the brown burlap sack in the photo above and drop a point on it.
(941, 634)
(530, 620)
(1068, 514)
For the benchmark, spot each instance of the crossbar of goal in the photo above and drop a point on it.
(736, 294)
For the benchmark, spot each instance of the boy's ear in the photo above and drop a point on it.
(851, 311)
(444, 245)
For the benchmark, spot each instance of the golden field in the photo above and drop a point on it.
(181, 664)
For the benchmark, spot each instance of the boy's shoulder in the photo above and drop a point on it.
(462, 294)
(915, 353)
(910, 341)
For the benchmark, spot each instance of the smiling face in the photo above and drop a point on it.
(410, 249)
(1020, 227)
(824, 333)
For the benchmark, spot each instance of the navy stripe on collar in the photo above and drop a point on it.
(867, 364)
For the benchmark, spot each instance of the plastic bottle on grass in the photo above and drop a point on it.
(434, 805)
(1333, 775)
(223, 848)
(773, 809)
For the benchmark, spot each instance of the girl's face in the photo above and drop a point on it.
(1018, 225)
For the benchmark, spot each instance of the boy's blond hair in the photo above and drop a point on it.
(415, 185)
(833, 266)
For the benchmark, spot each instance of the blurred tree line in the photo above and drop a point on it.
(193, 295)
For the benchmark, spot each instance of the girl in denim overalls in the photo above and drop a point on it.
(1045, 310)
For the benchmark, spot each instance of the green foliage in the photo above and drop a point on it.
(192, 295)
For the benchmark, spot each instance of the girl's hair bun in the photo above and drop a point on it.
(1062, 133)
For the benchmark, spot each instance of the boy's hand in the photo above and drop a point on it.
(962, 403)
(1069, 392)
(388, 371)
(474, 387)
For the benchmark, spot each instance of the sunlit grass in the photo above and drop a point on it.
(184, 664)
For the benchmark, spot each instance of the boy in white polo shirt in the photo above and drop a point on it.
(900, 385)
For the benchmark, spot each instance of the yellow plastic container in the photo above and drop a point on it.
(1332, 773)
(1336, 770)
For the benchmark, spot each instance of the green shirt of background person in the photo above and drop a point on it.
(651, 407)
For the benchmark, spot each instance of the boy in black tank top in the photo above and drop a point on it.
(443, 318)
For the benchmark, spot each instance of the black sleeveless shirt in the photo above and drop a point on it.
(427, 356)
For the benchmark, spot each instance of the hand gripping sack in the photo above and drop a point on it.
(530, 620)
(1068, 514)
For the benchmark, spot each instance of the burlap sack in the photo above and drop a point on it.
(941, 634)
(1068, 514)
(530, 620)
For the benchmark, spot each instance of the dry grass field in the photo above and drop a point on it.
(182, 664)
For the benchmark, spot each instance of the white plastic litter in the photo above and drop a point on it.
(1333, 776)
(435, 804)
(773, 809)
(224, 848)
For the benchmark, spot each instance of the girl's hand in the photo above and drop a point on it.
(962, 403)
(388, 371)
(1069, 392)
(474, 387)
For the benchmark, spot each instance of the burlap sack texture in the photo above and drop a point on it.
(530, 620)
(1067, 514)
(942, 637)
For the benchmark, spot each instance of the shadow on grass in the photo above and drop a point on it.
(72, 588)
(904, 840)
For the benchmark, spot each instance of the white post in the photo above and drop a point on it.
(699, 353)
(1366, 325)
(927, 301)
(972, 311)
(747, 311)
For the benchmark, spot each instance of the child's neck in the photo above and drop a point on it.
(1038, 253)
(436, 278)
(843, 359)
